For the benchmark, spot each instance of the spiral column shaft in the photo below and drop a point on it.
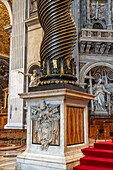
(59, 39)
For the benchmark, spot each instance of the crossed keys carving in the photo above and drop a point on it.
(47, 117)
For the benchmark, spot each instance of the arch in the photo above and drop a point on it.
(34, 66)
(2, 61)
(3, 83)
(9, 10)
(99, 22)
(87, 67)
(97, 26)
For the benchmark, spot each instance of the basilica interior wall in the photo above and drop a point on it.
(34, 35)
(94, 44)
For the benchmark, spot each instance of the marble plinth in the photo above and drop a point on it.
(101, 113)
(60, 154)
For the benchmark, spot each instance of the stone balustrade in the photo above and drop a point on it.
(96, 35)
(96, 41)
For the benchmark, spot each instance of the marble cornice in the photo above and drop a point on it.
(57, 93)
(31, 21)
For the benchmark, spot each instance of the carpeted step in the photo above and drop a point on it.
(91, 151)
(86, 167)
(97, 161)
(108, 145)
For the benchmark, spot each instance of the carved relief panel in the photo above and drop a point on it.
(99, 82)
(99, 12)
(45, 124)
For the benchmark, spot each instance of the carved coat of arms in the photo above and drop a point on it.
(47, 117)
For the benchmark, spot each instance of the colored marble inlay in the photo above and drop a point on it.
(75, 126)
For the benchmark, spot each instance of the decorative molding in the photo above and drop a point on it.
(97, 47)
(102, 48)
(88, 47)
(108, 46)
(82, 47)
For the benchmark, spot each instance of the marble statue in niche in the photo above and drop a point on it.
(33, 5)
(34, 78)
(99, 92)
(46, 118)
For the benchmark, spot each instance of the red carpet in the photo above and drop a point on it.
(99, 157)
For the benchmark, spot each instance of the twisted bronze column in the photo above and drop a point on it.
(59, 40)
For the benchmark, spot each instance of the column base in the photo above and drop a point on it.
(59, 110)
(41, 162)
(13, 126)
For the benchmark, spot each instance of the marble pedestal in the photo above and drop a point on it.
(59, 156)
(101, 113)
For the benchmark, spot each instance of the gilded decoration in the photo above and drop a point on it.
(4, 35)
(46, 118)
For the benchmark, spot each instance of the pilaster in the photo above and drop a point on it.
(109, 15)
(17, 52)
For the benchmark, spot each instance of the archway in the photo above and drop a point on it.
(5, 20)
(8, 8)
(91, 73)
(98, 80)
(87, 67)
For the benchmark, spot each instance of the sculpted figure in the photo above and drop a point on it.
(100, 96)
(34, 78)
(33, 5)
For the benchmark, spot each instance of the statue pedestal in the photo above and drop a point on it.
(101, 113)
(57, 129)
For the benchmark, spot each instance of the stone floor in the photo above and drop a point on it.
(7, 163)
(8, 158)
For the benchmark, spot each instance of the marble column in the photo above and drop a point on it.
(91, 92)
(75, 13)
(109, 15)
(16, 81)
(88, 11)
